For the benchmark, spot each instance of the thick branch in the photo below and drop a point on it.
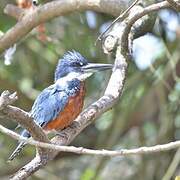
(14, 11)
(53, 9)
(174, 4)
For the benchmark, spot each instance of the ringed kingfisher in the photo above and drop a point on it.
(59, 104)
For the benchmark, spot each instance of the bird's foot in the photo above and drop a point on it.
(63, 135)
(75, 125)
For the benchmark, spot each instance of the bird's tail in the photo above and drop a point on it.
(20, 146)
(17, 151)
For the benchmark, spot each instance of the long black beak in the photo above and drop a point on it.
(93, 67)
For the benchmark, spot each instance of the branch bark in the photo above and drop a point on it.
(41, 14)
(174, 4)
(103, 152)
(111, 40)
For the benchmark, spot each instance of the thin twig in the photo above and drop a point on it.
(138, 15)
(174, 164)
(119, 18)
(103, 152)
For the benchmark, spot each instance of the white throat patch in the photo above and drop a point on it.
(79, 76)
(84, 76)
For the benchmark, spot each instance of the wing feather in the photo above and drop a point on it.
(50, 102)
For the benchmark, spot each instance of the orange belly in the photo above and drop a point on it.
(70, 112)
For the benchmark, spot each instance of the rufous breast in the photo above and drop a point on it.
(70, 112)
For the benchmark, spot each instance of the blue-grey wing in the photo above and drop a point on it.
(50, 102)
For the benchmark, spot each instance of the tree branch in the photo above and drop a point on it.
(138, 15)
(14, 11)
(111, 40)
(174, 4)
(6, 98)
(119, 18)
(173, 166)
(51, 10)
(103, 152)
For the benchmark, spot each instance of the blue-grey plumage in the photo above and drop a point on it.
(20, 146)
(52, 100)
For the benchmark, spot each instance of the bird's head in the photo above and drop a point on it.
(74, 65)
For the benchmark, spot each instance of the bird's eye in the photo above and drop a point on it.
(78, 64)
(35, 2)
(81, 64)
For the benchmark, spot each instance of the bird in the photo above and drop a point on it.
(59, 104)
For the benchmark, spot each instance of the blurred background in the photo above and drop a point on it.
(148, 112)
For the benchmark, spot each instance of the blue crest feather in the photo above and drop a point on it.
(65, 64)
